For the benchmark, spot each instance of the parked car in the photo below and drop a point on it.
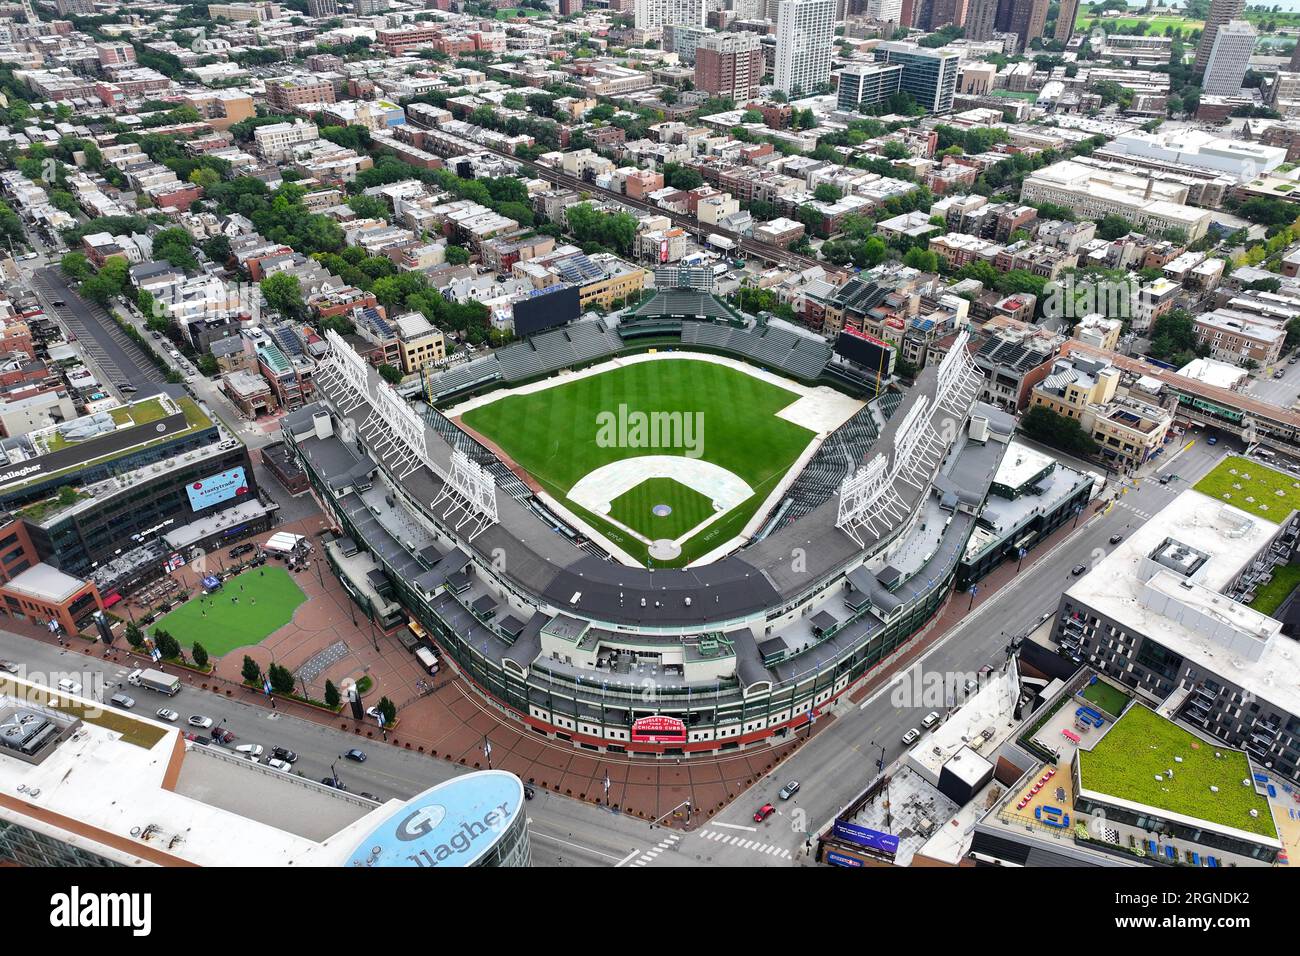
(198, 720)
(930, 719)
(69, 686)
(280, 765)
(1078, 569)
(911, 736)
(336, 784)
(1280, 373)
(9, 666)
(763, 812)
(221, 735)
(1116, 538)
(122, 700)
(249, 750)
(789, 790)
(280, 753)
(58, 303)
(168, 715)
(374, 712)
(354, 754)
(1212, 440)
(240, 550)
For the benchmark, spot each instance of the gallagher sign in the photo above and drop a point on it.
(658, 730)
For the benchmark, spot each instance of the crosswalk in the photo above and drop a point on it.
(1145, 515)
(649, 855)
(746, 843)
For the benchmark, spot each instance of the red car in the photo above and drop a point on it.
(765, 811)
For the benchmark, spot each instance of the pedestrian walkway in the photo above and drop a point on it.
(746, 843)
(648, 857)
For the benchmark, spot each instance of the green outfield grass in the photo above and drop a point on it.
(552, 434)
(1125, 762)
(266, 604)
(1263, 485)
(1157, 24)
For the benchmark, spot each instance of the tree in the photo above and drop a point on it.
(369, 207)
(75, 265)
(217, 248)
(922, 260)
(200, 655)
(251, 673)
(457, 255)
(1042, 424)
(176, 246)
(167, 645)
(332, 696)
(134, 636)
(1111, 226)
(825, 192)
(390, 374)
(681, 177)
(283, 293)
(281, 678)
(208, 365)
(387, 708)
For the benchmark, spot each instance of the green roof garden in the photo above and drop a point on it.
(1253, 487)
(1131, 762)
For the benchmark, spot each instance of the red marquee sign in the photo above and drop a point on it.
(658, 730)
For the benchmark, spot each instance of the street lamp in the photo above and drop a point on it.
(334, 773)
(974, 590)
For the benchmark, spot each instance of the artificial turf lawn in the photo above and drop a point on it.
(552, 435)
(1263, 485)
(228, 625)
(1108, 698)
(1124, 764)
(633, 508)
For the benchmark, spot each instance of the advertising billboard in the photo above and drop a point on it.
(867, 351)
(658, 730)
(546, 310)
(217, 488)
(876, 840)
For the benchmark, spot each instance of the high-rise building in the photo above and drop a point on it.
(930, 75)
(729, 65)
(1027, 20)
(1295, 58)
(865, 84)
(888, 11)
(942, 13)
(322, 8)
(656, 14)
(805, 35)
(569, 8)
(1221, 11)
(981, 17)
(1229, 58)
(366, 8)
(1065, 18)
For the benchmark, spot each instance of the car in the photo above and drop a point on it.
(9, 666)
(374, 712)
(911, 737)
(1279, 373)
(156, 335)
(1116, 538)
(986, 670)
(58, 303)
(280, 765)
(1212, 440)
(930, 719)
(122, 700)
(249, 750)
(126, 387)
(168, 715)
(336, 784)
(221, 735)
(1078, 569)
(354, 754)
(198, 720)
(242, 549)
(69, 686)
(763, 812)
(789, 790)
(282, 753)
(1164, 480)
(971, 685)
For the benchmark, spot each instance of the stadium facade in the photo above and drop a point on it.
(609, 657)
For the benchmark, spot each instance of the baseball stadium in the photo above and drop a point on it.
(674, 534)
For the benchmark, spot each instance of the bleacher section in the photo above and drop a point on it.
(557, 349)
(506, 479)
(842, 451)
(777, 348)
(461, 377)
(683, 303)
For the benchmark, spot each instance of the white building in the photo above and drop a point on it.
(1229, 58)
(657, 14)
(1242, 160)
(805, 35)
(887, 10)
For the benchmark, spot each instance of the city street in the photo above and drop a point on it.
(1282, 391)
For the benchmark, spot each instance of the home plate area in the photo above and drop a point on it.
(661, 500)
